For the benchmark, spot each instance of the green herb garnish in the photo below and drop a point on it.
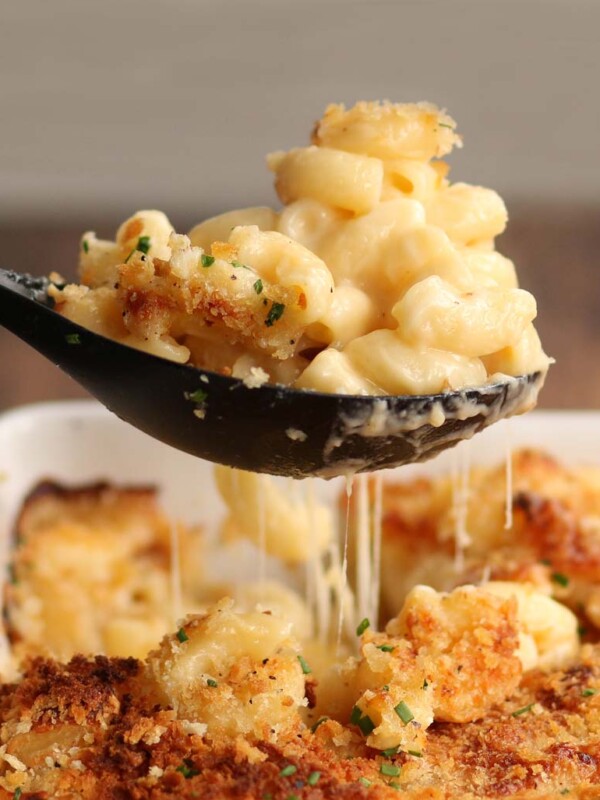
(317, 723)
(362, 627)
(17, 793)
(73, 338)
(559, 578)
(366, 725)
(523, 710)
(275, 313)
(364, 781)
(85, 246)
(289, 770)
(182, 635)
(187, 770)
(415, 753)
(445, 125)
(207, 261)
(589, 692)
(199, 396)
(303, 663)
(581, 630)
(391, 751)
(313, 778)
(404, 712)
(239, 265)
(212, 683)
(143, 244)
(258, 286)
(386, 648)
(391, 770)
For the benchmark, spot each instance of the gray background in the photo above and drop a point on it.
(110, 106)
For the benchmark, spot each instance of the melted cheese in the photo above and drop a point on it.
(460, 503)
(508, 515)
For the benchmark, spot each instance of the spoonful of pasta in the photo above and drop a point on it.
(370, 323)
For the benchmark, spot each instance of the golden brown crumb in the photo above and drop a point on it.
(84, 730)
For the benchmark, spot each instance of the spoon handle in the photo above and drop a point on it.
(12, 283)
(25, 306)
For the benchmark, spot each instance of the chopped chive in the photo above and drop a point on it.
(207, 261)
(239, 265)
(589, 692)
(362, 627)
(73, 338)
(404, 712)
(187, 770)
(366, 725)
(85, 245)
(17, 793)
(129, 256)
(289, 770)
(143, 244)
(258, 286)
(303, 663)
(182, 635)
(523, 710)
(391, 751)
(395, 785)
(445, 125)
(313, 778)
(415, 753)
(565, 791)
(212, 683)
(391, 770)
(199, 396)
(364, 781)
(355, 715)
(559, 578)
(317, 723)
(386, 648)
(275, 313)
(386, 687)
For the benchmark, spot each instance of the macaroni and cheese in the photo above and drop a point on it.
(378, 276)
(241, 699)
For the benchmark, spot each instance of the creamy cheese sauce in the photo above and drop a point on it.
(344, 570)
(508, 512)
(415, 426)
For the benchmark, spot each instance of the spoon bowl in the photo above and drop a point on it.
(272, 429)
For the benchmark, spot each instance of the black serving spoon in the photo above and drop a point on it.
(272, 428)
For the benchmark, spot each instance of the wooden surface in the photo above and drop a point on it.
(556, 250)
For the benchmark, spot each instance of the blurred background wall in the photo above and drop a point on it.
(106, 107)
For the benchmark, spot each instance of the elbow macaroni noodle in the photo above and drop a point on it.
(378, 276)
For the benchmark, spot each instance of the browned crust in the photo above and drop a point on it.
(536, 754)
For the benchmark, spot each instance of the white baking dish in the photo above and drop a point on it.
(78, 442)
